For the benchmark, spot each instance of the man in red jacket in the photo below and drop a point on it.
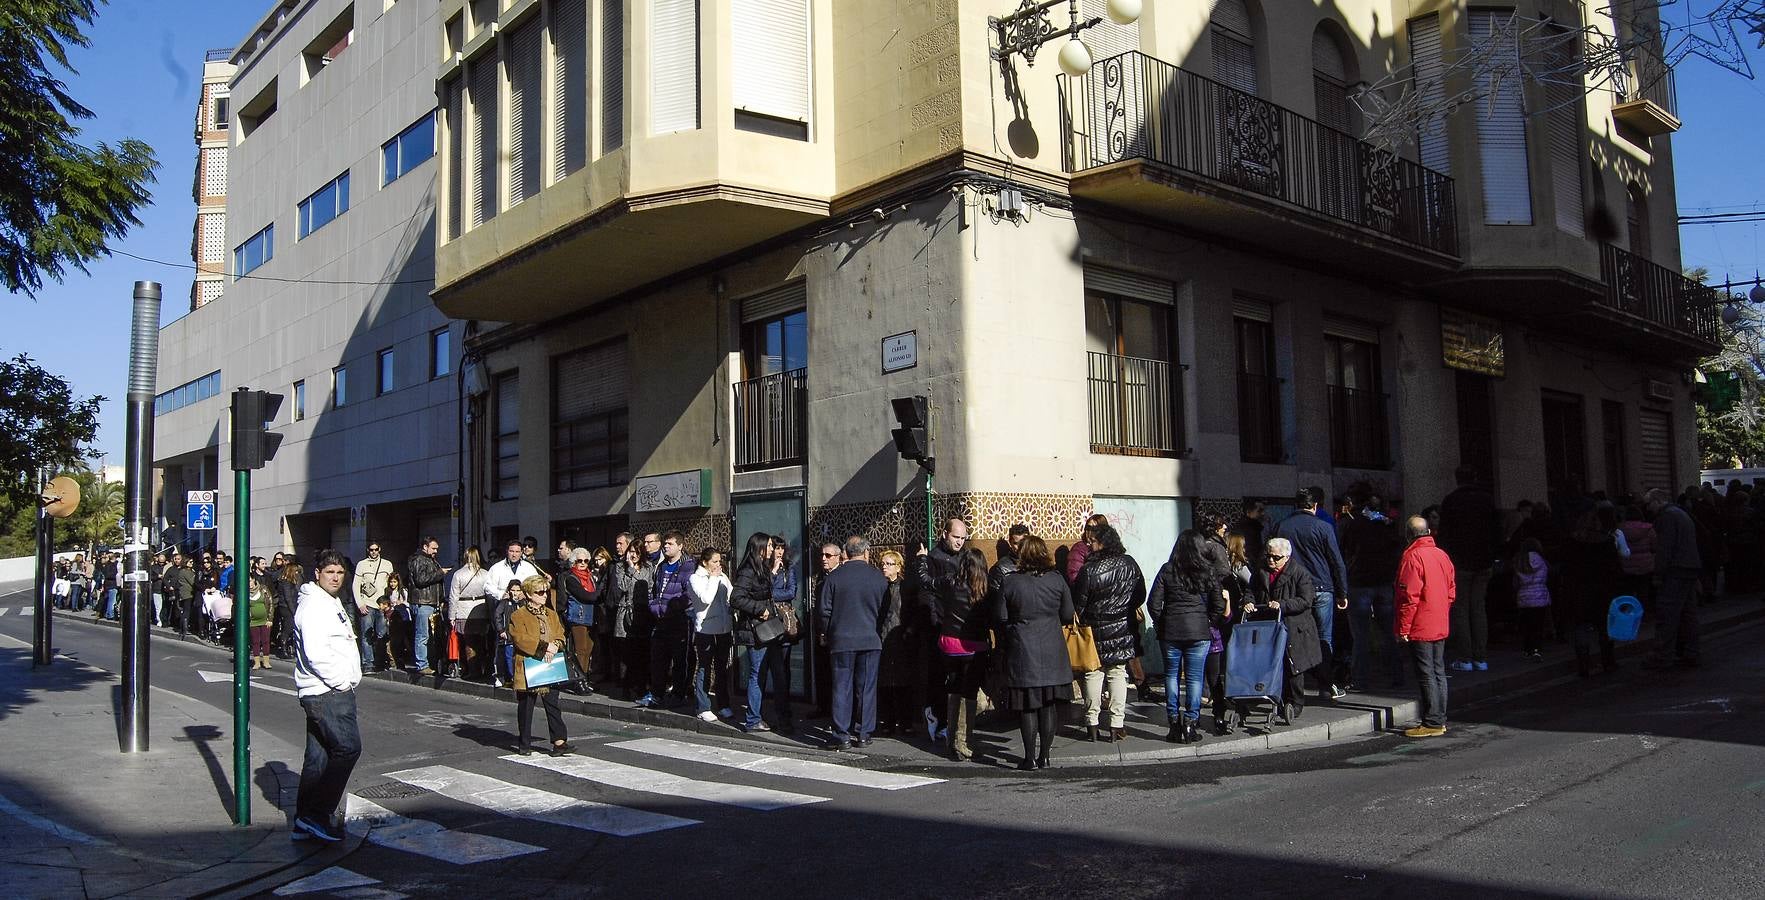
(1425, 592)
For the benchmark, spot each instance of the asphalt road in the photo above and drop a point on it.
(1630, 785)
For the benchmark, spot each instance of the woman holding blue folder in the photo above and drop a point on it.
(538, 636)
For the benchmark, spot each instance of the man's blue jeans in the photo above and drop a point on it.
(423, 615)
(373, 630)
(333, 744)
(110, 603)
(1323, 605)
(1185, 663)
(1370, 613)
(767, 662)
(854, 677)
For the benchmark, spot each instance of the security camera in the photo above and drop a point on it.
(878, 214)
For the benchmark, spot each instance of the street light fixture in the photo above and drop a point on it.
(1025, 31)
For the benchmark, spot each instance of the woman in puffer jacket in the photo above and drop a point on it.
(1109, 590)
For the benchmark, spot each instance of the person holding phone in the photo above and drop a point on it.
(537, 633)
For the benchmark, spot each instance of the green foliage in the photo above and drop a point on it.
(42, 425)
(1731, 408)
(60, 201)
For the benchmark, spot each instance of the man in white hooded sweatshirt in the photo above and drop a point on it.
(327, 668)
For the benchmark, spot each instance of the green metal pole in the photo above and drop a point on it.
(930, 516)
(241, 627)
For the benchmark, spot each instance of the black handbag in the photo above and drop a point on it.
(769, 629)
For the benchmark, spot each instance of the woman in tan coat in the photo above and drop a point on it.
(537, 633)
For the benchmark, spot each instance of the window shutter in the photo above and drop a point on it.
(1233, 16)
(569, 86)
(1106, 39)
(508, 404)
(1655, 429)
(1636, 221)
(1234, 61)
(612, 75)
(674, 66)
(526, 110)
(1254, 310)
(1128, 284)
(590, 381)
(771, 48)
(776, 302)
(1425, 65)
(484, 101)
(1501, 135)
(455, 92)
(1565, 120)
(1352, 329)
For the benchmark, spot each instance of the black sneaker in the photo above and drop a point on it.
(839, 746)
(861, 742)
(304, 828)
(561, 749)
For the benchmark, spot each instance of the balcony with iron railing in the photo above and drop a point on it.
(1156, 138)
(1360, 436)
(1648, 102)
(1659, 296)
(1134, 405)
(1259, 418)
(771, 428)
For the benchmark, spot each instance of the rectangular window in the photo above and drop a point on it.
(772, 66)
(1616, 447)
(612, 75)
(1133, 384)
(1565, 119)
(526, 110)
(771, 403)
(411, 148)
(483, 14)
(674, 66)
(1501, 129)
(1358, 430)
(440, 353)
(1430, 88)
(455, 94)
(187, 393)
(383, 368)
(1259, 391)
(256, 251)
(219, 114)
(339, 387)
(506, 456)
(329, 44)
(569, 33)
(482, 94)
(299, 400)
(776, 345)
(258, 110)
(325, 204)
(590, 424)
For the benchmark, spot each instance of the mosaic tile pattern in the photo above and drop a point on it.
(709, 530)
(989, 515)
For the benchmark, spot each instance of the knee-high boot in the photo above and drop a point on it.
(961, 711)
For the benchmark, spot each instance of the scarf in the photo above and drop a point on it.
(583, 577)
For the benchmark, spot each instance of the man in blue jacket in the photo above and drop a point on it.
(852, 604)
(1314, 545)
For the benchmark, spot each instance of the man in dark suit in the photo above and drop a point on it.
(850, 609)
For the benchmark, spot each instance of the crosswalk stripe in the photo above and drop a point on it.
(27, 611)
(775, 765)
(634, 778)
(335, 878)
(425, 838)
(524, 802)
(4, 610)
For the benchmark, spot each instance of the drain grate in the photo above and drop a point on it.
(391, 790)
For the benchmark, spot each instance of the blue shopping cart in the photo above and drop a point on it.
(1256, 663)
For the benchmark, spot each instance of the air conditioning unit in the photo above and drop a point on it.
(1658, 390)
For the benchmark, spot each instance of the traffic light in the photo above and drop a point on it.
(913, 437)
(253, 443)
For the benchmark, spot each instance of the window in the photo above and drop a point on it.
(526, 111)
(187, 393)
(779, 344)
(1501, 130)
(1636, 220)
(455, 94)
(384, 381)
(1259, 388)
(772, 67)
(1338, 152)
(1133, 384)
(1233, 46)
(1565, 117)
(217, 109)
(255, 113)
(590, 424)
(299, 400)
(674, 66)
(325, 204)
(256, 251)
(1615, 446)
(569, 33)
(1430, 89)
(481, 91)
(339, 387)
(1357, 408)
(506, 456)
(440, 353)
(770, 404)
(483, 14)
(612, 75)
(456, 35)
(411, 148)
(330, 44)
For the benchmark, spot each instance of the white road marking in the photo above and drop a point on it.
(518, 801)
(216, 677)
(424, 838)
(335, 878)
(27, 611)
(4, 610)
(43, 824)
(633, 778)
(775, 765)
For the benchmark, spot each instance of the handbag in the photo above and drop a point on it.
(786, 614)
(1081, 648)
(539, 673)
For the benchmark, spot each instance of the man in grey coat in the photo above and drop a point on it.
(1679, 565)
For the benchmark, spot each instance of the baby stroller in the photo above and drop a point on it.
(1256, 664)
(217, 610)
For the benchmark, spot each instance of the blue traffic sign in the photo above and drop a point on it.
(199, 516)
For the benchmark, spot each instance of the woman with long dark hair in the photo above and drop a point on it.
(751, 599)
(1188, 597)
(961, 620)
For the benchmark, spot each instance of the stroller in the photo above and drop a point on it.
(1256, 664)
(217, 610)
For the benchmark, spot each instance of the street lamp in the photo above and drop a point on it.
(1025, 31)
(1731, 303)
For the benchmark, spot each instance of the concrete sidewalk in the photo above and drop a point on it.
(79, 818)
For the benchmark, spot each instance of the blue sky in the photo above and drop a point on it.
(142, 73)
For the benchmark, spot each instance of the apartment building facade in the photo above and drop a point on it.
(328, 258)
(208, 239)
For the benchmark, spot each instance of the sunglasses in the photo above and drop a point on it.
(1276, 557)
(373, 549)
(829, 555)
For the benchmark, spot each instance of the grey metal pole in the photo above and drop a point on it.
(137, 508)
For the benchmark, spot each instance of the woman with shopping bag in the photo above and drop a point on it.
(538, 638)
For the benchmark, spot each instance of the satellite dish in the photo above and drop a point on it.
(61, 497)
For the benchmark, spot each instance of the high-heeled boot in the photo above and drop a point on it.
(959, 710)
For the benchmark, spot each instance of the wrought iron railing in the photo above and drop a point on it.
(1359, 431)
(770, 421)
(1259, 418)
(1133, 106)
(221, 54)
(1651, 79)
(1658, 294)
(1134, 405)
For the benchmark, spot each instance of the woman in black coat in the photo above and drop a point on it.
(1591, 569)
(1288, 586)
(960, 615)
(1188, 597)
(1108, 592)
(751, 599)
(1032, 604)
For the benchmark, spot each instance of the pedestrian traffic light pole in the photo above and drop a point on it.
(253, 445)
(913, 441)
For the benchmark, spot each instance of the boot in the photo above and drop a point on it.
(959, 711)
(1091, 733)
(1191, 732)
(1176, 735)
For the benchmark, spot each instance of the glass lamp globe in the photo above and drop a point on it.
(1123, 12)
(1757, 294)
(1075, 58)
